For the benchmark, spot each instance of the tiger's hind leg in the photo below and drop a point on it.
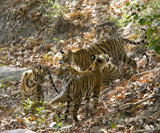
(126, 59)
(24, 98)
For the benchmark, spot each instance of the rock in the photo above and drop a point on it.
(10, 74)
(18, 131)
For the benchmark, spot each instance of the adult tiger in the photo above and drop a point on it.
(31, 84)
(114, 47)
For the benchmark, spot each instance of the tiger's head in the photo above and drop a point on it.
(67, 57)
(99, 61)
(40, 71)
(64, 71)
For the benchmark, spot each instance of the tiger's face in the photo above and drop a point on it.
(40, 71)
(67, 57)
(64, 71)
(100, 60)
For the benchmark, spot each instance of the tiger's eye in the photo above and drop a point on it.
(39, 67)
(61, 62)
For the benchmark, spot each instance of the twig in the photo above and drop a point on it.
(147, 131)
(145, 72)
(106, 91)
(129, 106)
(15, 94)
(111, 23)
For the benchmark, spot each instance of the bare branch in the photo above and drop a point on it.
(145, 72)
(147, 131)
(129, 106)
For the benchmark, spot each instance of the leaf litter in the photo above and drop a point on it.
(130, 105)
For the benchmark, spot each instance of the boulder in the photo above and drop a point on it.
(10, 74)
(18, 131)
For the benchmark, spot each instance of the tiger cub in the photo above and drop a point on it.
(66, 72)
(85, 83)
(110, 72)
(31, 84)
(114, 47)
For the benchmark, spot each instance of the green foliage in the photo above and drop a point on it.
(58, 123)
(56, 9)
(2, 85)
(27, 104)
(39, 117)
(145, 15)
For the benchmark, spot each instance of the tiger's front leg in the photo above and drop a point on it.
(88, 109)
(77, 104)
(115, 61)
(96, 94)
(40, 96)
(68, 107)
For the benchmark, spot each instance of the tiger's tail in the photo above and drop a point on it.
(62, 97)
(139, 42)
(51, 80)
(147, 59)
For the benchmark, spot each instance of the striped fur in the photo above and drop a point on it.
(83, 84)
(114, 47)
(109, 73)
(31, 84)
(66, 72)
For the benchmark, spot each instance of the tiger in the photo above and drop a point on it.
(110, 72)
(85, 83)
(66, 72)
(31, 84)
(114, 47)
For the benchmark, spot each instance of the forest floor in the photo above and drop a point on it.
(34, 31)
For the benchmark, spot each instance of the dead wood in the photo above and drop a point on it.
(131, 106)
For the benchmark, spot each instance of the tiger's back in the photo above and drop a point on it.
(31, 84)
(112, 46)
(28, 84)
(110, 72)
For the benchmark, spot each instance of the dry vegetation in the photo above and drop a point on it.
(34, 31)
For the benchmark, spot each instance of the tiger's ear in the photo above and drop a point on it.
(70, 52)
(62, 52)
(93, 57)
